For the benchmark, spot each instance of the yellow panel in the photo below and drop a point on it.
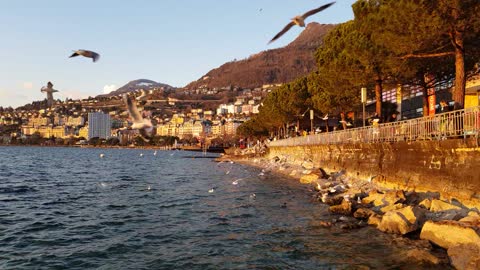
(471, 101)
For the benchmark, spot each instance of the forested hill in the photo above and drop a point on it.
(271, 66)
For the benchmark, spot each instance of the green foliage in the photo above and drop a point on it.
(252, 127)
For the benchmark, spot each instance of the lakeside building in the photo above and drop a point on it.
(39, 121)
(99, 125)
(75, 121)
(83, 132)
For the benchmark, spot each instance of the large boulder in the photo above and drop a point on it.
(402, 221)
(449, 233)
(465, 257)
(438, 205)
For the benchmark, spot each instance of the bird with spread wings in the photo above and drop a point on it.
(300, 20)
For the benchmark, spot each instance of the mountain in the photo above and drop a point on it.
(272, 66)
(138, 84)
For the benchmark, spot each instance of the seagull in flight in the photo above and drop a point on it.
(325, 117)
(143, 125)
(143, 95)
(300, 20)
(89, 54)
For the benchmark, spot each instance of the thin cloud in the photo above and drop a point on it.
(109, 88)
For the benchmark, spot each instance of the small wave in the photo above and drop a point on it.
(16, 190)
(243, 216)
(175, 205)
(58, 201)
(116, 207)
(112, 223)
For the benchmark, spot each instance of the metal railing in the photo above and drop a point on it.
(455, 124)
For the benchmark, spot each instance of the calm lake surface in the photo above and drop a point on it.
(67, 208)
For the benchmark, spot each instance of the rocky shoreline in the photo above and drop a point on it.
(438, 232)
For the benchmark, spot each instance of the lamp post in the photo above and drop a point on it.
(364, 100)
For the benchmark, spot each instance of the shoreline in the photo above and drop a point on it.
(440, 232)
(110, 147)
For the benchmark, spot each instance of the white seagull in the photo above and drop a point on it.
(144, 126)
(325, 117)
(89, 54)
(143, 95)
(300, 20)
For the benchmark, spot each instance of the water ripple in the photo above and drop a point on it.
(78, 211)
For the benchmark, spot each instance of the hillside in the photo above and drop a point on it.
(136, 85)
(271, 66)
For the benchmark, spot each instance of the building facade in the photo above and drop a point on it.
(99, 125)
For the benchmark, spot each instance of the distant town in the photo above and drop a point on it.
(184, 116)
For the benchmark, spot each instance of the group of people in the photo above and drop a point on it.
(347, 121)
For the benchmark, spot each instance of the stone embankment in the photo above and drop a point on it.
(426, 219)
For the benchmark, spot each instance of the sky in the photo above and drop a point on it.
(168, 41)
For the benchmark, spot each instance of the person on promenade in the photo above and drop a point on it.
(393, 129)
(445, 121)
(375, 121)
(392, 117)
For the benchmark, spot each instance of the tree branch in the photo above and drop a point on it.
(426, 55)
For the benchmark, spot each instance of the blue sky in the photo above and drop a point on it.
(169, 41)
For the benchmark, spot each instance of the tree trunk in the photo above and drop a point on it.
(460, 80)
(378, 96)
(425, 101)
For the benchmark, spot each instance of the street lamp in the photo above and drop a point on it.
(364, 100)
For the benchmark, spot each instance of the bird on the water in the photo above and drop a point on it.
(300, 20)
(86, 53)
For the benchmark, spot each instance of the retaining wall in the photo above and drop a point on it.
(450, 167)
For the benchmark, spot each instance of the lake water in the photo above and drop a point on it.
(67, 208)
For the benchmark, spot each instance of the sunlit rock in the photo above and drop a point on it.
(375, 220)
(402, 221)
(426, 203)
(345, 208)
(307, 165)
(449, 233)
(383, 199)
(438, 205)
(391, 207)
(472, 219)
(309, 178)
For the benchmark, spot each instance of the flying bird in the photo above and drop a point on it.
(89, 54)
(299, 20)
(49, 90)
(143, 95)
(143, 125)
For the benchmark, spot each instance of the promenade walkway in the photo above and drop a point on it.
(457, 124)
